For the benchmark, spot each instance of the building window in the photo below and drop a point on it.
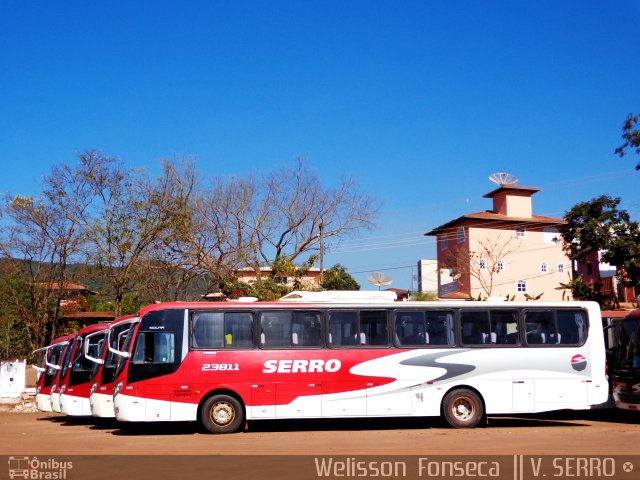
(589, 269)
(521, 286)
(482, 263)
(543, 267)
(520, 231)
(460, 236)
(444, 242)
(561, 268)
(500, 265)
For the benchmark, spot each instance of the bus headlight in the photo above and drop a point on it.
(93, 388)
(62, 389)
(38, 390)
(53, 388)
(117, 389)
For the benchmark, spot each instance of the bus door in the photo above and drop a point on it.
(157, 354)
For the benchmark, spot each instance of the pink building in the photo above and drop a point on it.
(506, 251)
(602, 276)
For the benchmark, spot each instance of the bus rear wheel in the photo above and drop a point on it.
(462, 408)
(222, 414)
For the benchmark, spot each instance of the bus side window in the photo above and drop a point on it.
(571, 327)
(504, 326)
(306, 330)
(343, 329)
(475, 327)
(439, 328)
(373, 328)
(208, 330)
(540, 327)
(275, 329)
(410, 329)
(238, 330)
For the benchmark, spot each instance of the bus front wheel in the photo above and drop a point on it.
(462, 408)
(222, 414)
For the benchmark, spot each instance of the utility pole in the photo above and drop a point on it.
(321, 248)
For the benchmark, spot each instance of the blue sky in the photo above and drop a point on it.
(418, 100)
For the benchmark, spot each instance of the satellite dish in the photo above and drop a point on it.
(379, 279)
(503, 179)
(454, 275)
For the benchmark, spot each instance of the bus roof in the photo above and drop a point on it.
(352, 303)
(93, 328)
(341, 296)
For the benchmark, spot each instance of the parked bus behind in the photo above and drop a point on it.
(104, 365)
(55, 382)
(624, 362)
(47, 368)
(74, 376)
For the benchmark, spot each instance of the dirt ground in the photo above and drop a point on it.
(560, 433)
(512, 448)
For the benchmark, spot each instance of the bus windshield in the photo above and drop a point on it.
(629, 350)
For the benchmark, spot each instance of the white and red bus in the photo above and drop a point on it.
(47, 369)
(224, 363)
(55, 382)
(103, 369)
(75, 374)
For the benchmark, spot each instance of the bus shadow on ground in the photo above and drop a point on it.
(353, 424)
(155, 428)
(288, 425)
(605, 415)
(94, 423)
(561, 418)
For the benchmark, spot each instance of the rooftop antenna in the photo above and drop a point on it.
(503, 179)
(379, 279)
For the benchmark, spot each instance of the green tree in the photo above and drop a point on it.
(284, 267)
(423, 296)
(267, 290)
(44, 234)
(127, 220)
(599, 225)
(337, 278)
(591, 224)
(631, 137)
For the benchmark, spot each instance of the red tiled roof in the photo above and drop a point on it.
(491, 216)
(456, 296)
(66, 286)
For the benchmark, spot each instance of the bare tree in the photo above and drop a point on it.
(43, 236)
(295, 208)
(168, 266)
(127, 220)
(249, 222)
(485, 262)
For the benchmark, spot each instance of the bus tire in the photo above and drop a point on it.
(462, 408)
(222, 414)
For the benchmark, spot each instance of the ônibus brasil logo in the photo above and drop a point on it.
(578, 362)
(34, 468)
